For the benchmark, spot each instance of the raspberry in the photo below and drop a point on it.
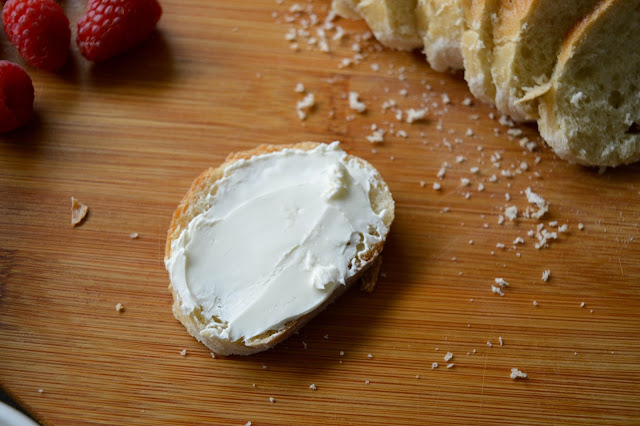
(16, 96)
(112, 26)
(40, 31)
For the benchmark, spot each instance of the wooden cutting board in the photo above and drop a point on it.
(128, 136)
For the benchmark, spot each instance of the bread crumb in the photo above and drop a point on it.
(78, 212)
(213, 355)
(582, 305)
(415, 114)
(511, 212)
(535, 303)
(183, 352)
(445, 99)
(312, 386)
(247, 424)
(467, 101)
(369, 356)
(517, 374)
(581, 226)
(436, 186)
(545, 275)
(305, 105)
(474, 170)
(518, 240)
(563, 228)
(450, 365)
(489, 344)
(497, 290)
(501, 282)
(299, 88)
(272, 400)
(326, 336)
(355, 104)
(417, 376)
(540, 202)
(133, 235)
(40, 390)
(448, 356)
(434, 365)
(119, 307)
(500, 340)
(465, 182)
(366, 382)
(377, 136)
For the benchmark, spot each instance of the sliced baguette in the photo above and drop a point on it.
(441, 24)
(195, 202)
(527, 37)
(392, 22)
(590, 112)
(477, 47)
(346, 8)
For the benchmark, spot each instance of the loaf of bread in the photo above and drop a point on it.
(477, 47)
(570, 65)
(590, 110)
(393, 22)
(527, 38)
(261, 244)
(441, 24)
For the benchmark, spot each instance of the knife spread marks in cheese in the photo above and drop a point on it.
(284, 230)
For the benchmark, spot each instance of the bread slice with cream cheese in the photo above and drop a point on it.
(441, 24)
(590, 110)
(477, 47)
(392, 22)
(264, 242)
(527, 38)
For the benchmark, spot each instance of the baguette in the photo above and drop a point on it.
(527, 38)
(392, 22)
(441, 24)
(222, 191)
(590, 110)
(477, 47)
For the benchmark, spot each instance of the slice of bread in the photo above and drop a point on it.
(392, 22)
(346, 8)
(202, 203)
(527, 37)
(441, 24)
(590, 112)
(477, 47)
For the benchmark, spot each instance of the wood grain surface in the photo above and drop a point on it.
(128, 136)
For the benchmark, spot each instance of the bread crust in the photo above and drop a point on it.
(477, 47)
(191, 205)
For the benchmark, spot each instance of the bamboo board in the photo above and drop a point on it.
(128, 136)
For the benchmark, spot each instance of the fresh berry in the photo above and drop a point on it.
(112, 26)
(16, 96)
(40, 30)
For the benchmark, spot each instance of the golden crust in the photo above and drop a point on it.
(191, 206)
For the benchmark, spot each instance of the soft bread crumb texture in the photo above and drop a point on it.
(590, 113)
(195, 202)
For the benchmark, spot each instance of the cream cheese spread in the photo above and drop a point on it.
(283, 230)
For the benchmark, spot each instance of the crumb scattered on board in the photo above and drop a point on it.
(517, 374)
(119, 307)
(78, 212)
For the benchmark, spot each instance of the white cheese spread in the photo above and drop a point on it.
(283, 230)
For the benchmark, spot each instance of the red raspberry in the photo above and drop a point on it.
(16, 96)
(112, 26)
(40, 31)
